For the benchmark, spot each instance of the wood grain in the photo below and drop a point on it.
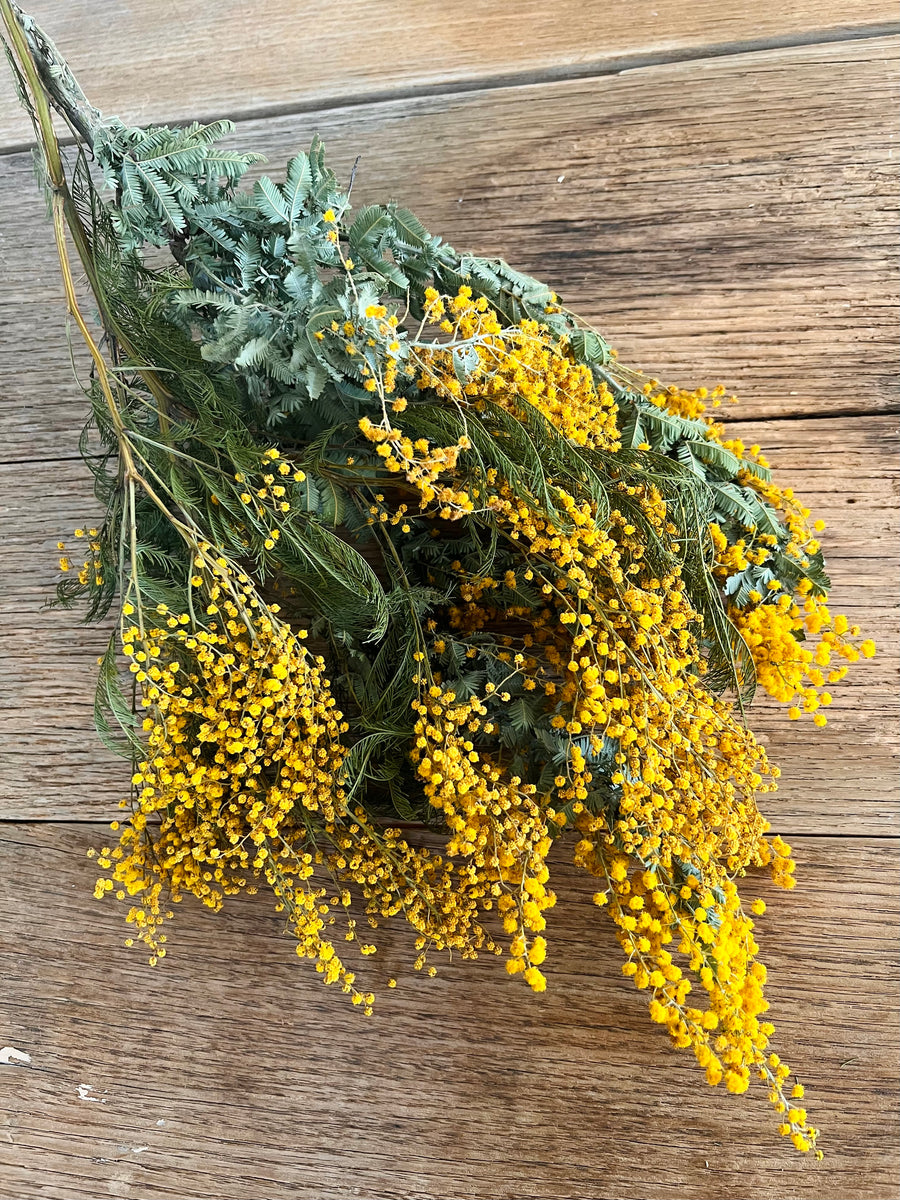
(726, 217)
(232, 1072)
(148, 61)
(840, 779)
(837, 777)
(727, 220)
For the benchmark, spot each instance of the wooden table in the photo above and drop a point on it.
(714, 185)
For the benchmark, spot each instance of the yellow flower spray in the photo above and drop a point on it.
(396, 542)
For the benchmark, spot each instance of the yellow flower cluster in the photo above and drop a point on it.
(793, 639)
(421, 463)
(615, 654)
(444, 906)
(91, 569)
(496, 824)
(245, 775)
(785, 666)
(243, 741)
(616, 660)
(670, 909)
(267, 495)
(690, 404)
(514, 367)
(540, 548)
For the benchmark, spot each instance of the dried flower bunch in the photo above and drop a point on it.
(393, 536)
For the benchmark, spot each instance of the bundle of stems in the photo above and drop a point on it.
(394, 540)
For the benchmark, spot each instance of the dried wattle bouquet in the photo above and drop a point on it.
(392, 534)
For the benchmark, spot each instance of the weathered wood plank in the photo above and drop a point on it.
(840, 779)
(463, 1086)
(728, 220)
(721, 219)
(148, 62)
(848, 771)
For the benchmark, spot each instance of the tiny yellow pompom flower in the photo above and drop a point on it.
(535, 979)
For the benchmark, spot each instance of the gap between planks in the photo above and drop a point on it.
(562, 73)
(414, 827)
(725, 418)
